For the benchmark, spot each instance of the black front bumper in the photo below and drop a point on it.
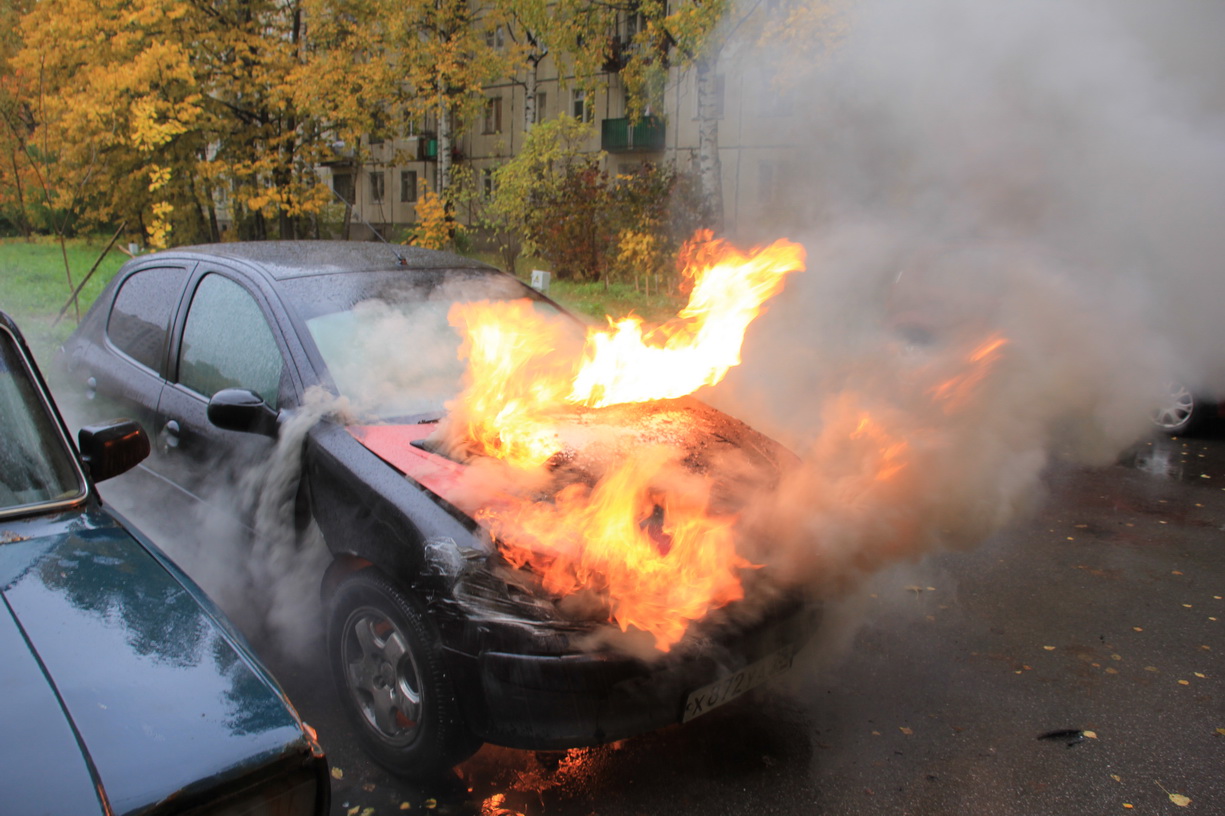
(546, 702)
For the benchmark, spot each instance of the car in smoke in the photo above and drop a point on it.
(1186, 410)
(124, 690)
(436, 643)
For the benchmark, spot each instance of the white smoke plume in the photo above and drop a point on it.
(1052, 174)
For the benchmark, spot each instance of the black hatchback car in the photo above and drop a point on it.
(436, 643)
(122, 688)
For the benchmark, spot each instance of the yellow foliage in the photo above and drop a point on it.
(159, 227)
(434, 228)
(159, 177)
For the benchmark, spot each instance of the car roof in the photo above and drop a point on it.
(292, 259)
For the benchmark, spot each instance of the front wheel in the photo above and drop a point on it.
(388, 667)
(1182, 412)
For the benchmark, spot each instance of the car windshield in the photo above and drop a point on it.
(385, 338)
(36, 465)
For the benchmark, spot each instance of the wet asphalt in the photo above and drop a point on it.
(1072, 664)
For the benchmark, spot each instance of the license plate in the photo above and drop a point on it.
(729, 688)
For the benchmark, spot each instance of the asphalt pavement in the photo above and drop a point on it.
(1072, 664)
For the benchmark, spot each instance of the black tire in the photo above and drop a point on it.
(1183, 412)
(388, 667)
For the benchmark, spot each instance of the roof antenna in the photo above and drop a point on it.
(400, 259)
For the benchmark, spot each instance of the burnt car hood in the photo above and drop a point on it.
(738, 458)
(116, 680)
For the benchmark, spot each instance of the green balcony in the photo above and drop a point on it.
(619, 136)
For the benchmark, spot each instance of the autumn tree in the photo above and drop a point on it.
(391, 63)
(151, 109)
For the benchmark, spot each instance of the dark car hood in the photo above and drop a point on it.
(112, 674)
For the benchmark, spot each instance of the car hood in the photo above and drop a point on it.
(116, 678)
(739, 459)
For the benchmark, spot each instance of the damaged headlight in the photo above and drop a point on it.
(484, 587)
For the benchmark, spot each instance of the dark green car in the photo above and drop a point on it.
(124, 690)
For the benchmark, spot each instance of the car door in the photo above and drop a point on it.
(122, 361)
(225, 339)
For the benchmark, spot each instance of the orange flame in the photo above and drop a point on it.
(957, 390)
(644, 542)
(626, 365)
(516, 380)
(658, 556)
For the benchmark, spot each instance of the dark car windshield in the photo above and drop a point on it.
(385, 338)
(36, 465)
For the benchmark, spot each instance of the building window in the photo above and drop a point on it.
(408, 186)
(487, 182)
(494, 38)
(493, 115)
(581, 107)
(542, 100)
(342, 185)
(376, 186)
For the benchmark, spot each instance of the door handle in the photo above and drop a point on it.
(170, 435)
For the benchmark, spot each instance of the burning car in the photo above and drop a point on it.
(511, 563)
(125, 691)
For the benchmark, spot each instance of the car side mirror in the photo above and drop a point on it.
(238, 409)
(111, 448)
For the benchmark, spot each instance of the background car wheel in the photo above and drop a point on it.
(387, 663)
(1182, 412)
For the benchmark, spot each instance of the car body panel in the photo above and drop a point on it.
(122, 681)
(39, 735)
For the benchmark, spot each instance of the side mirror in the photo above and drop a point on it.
(111, 448)
(237, 409)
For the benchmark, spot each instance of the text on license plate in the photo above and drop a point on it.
(729, 688)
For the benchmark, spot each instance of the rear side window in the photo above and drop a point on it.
(227, 343)
(140, 319)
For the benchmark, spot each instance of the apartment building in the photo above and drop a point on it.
(758, 133)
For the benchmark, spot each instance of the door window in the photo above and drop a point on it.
(227, 343)
(140, 318)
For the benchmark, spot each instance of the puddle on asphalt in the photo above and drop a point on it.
(1176, 459)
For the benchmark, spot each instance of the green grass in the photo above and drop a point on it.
(595, 300)
(616, 300)
(34, 287)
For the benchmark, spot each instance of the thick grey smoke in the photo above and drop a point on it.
(1052, 174)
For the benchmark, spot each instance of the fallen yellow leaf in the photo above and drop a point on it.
(1128, 805)
(430, 804)
(1220, 732)
(1116, 777)
(1049, 648)
(1090, 734)
(1176, 798)
(905, 730)
(337, 773)
(1137, 629)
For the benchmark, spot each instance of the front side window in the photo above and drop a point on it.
(227, 343)
(376, 186)
(140, 319)
(36, 465)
